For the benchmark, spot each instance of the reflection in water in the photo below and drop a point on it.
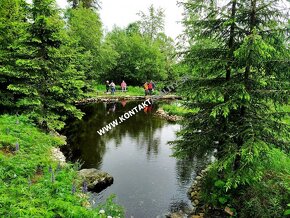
(82, 135)
(147, 180)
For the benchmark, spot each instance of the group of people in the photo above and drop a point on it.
(112, 86)
(149, 87)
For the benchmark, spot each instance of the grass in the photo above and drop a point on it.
(32, 184)
(100, 90)
(176, 108)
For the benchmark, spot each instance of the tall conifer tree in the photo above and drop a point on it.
(43, 78)
(13, 14)
(240, 63)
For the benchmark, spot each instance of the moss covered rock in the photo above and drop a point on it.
(96, 180)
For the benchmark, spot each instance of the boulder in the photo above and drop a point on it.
(179, 214)
(58, 156)
(192, 194)
(96, 179)
(198, 178)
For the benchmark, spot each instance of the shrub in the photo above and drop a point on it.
(263, 199)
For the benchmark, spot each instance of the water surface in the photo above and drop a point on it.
(148, 182)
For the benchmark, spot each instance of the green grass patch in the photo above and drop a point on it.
(31, 183)
(177, 108)
(100, 90)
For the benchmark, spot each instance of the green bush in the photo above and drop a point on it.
(269, 197)
(265, 198)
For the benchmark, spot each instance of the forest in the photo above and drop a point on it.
(235, 101)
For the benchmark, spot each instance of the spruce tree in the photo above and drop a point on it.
(13, 25)
(240, 80)
(44, 79)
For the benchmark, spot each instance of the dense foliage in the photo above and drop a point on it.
(41, 76)
(49, 60)
(235, 52)
(32, 184)
(142, 51)
(85, 30)
(138, 59)
(12, 13)
(239, 65)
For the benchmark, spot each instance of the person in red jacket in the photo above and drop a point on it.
(151, 87)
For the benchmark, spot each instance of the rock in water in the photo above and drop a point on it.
(96, 179)
(179, 214)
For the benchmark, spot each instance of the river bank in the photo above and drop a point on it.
(113, 98)
(34, 182)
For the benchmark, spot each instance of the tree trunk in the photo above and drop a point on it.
(243, 111)
(231, 41)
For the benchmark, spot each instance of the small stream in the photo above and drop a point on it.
(148, 182)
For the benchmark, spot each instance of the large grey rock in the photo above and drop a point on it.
(96, 179)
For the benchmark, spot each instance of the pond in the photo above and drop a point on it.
(148, 181)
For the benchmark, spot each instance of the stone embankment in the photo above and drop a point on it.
(193, 193)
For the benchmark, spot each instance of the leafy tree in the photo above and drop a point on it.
(142, 50)
(152, 24)
(42, 75)
(167, 48)
(240, 71)
(137, 59)
(85, 29)
(86, 3)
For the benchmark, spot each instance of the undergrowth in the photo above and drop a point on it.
(32, 184)
(176, 108)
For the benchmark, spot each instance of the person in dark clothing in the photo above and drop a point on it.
(107, 86)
